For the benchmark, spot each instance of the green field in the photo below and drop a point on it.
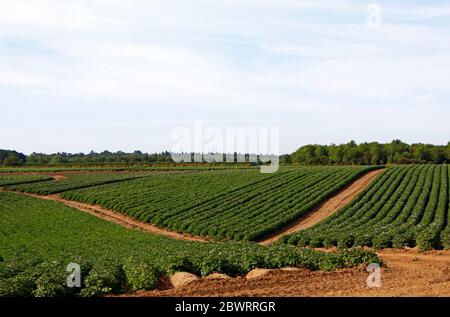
(40, 238)
(123, 168)
(72, 181)
(405, 206)
(238, 205)
(8, 180)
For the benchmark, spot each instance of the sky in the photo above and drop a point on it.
(85, 75)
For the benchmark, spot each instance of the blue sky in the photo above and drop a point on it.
(121, 75)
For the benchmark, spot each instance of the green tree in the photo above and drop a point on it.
(305, 155)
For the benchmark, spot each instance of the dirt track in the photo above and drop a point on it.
(408, 273)
(119, 218)
(327, 208)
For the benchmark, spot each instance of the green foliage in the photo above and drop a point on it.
(17, 286)
(50, 280)
(405, 206)
(74, 181)
(104, 157)
(140, 274)
(8, 180)
(106, 277)
(11, 158)
(40, 238)
(227, 205)
(372, 153)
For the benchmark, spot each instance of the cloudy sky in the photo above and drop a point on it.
(121, 75)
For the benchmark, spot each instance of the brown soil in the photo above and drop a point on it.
(257, 273)
(58, 177)
(217, 276)
(119, 218)
(181, 279)
(327, 208)
(406, 273)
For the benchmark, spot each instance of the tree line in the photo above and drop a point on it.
(373, 153)
(11, 158)
(105, 157)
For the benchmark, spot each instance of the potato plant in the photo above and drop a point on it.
(222, 205)
(40, 238)
(406, 206)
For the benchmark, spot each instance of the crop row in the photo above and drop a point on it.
(40, 238)
(72, 181)
(122, 168)
(237, 205)
(406, 206)
(8, 180)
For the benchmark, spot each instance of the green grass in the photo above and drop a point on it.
(40, 238)
(222, 205)
(405, 206)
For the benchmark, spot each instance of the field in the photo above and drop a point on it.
(233, 210)
(120, 168)
(71, 181)
(237, 205)
(8, 180)
(40, 238)
(406, 206)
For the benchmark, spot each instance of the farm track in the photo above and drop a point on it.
(407, 273)
(327, 208)
(117, 218)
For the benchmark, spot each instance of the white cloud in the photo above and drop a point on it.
(270, 61)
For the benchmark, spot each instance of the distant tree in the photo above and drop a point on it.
(305, 155)
(448, 152)
(336, 154)
(321, 155)
(373, 153)
(378, 154)
(285, 159)
(438, 155)
(12, 158)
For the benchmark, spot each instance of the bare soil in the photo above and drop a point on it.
(406, 273)
(327, 208)
(58, 177)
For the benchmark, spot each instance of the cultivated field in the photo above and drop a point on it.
(61, 183)
(40, 238)
(8, 180)
(406, 206)
(204, 222)
(238, 205)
